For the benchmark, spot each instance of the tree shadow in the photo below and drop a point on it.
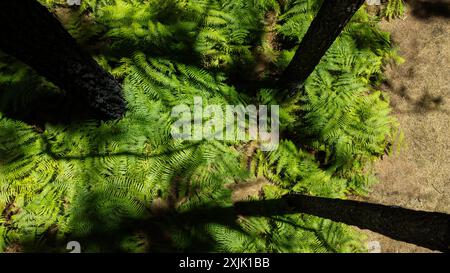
(428, 103)
(427, 9)
(424, 104)
(426, 229)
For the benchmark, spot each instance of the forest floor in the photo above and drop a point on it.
(418, 176)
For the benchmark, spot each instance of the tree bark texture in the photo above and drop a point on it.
(329, 22)
(35, 36)
(426, 229)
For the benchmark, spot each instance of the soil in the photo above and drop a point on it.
(418, 176)
(247, 190)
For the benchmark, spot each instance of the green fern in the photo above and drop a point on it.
(90, 180)
(394, 9)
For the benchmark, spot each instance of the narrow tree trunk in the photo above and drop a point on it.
(33, 35)
(331, 19)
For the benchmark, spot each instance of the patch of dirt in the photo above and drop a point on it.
(418, 177)
(14, 248)
(265, 54)
(243, 191)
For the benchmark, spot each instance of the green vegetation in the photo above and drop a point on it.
(394, 8)
(93, 180)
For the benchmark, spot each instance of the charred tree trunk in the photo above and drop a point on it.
(34, 36)
(427, 229)
(331, 19)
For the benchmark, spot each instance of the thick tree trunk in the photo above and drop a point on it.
(427, 229)
(331, 19)
(33, 35)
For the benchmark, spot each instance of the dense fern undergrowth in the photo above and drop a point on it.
(120, 185)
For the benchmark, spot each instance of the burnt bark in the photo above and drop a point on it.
(427, 229)
(329, 22)
(33, 35)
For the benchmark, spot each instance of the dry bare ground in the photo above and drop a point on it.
(418, 177)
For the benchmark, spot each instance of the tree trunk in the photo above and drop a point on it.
(427, 229)
(33, 35)
(331, 19)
